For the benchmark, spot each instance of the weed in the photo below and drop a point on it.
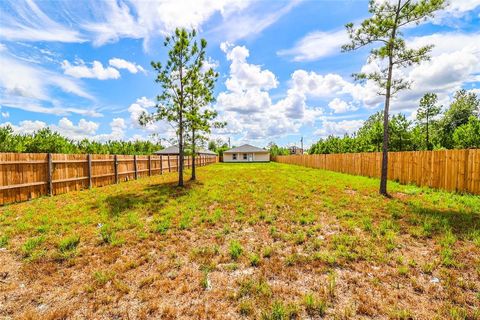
(278, 311)
(3, 241)
(245, 308)
(102, 277)
(108, 235)
(163, 225)
(314, 306)
(69, 244)
(29, 248)
(254, 260)
(235, 249)
(267, 252)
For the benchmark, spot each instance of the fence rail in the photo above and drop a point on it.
(25, 176)
(451, 170)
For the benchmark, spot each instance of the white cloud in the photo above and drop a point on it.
(317, 45)
(29, 87)
(341, 106)
(30, 23)
(26, 126)
(124, 64)
(97, 71)
(242, 24)
(247, 106)
(146, 19)
(146, 105)
(245, 76)
(84, 129)
(338, 128)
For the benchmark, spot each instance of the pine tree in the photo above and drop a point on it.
(384, 27)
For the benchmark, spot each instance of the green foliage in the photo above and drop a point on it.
(468, 135)
(426, 113)
(462, 115)
(235, 249)
(186, 91)
(46, 140)
(69, 243)
(276, 150)
(465, 105)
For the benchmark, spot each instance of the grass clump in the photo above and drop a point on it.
(3, 241)
(280, 311)
(235, 249)
(314, 306)
(30, 247)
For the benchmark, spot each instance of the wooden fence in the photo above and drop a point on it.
(25, 176)
(451, 170)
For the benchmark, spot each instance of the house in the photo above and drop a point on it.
(295, 150)
(246, 153)
(175, 151)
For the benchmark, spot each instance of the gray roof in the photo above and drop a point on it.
(169, 150)
(204, 151)
(176, 150)
(246, 148)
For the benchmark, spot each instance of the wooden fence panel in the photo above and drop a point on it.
(24, 176)
(451, 170)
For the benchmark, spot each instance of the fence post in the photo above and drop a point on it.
(169, 166)
(161, 164)
(149, 166)
(89, 159)
(49, 174)
(135, 166)
(115, 165)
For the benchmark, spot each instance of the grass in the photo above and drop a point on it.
(267, 241)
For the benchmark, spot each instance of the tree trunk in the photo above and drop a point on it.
(384, 176)
(181, 153)
(428, 142)
(194, 177)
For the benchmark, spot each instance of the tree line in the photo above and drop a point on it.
(435, 127)
(45, 141)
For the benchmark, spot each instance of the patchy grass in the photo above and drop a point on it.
(267, 241)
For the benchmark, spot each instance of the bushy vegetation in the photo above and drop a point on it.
(46, 140)
(458, 126)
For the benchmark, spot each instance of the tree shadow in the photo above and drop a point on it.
(152, 198)
(461, 223)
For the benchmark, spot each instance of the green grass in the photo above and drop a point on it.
(270, 240)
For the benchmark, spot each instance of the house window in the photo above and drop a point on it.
(245, 156)
(234, 156)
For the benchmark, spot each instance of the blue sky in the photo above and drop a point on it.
(83, 68)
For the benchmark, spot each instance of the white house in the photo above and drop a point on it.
(246, 153)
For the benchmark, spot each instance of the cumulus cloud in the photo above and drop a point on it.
(247, 106)
(339, 128)
(83, 129)
(97, 71)
(341, 106)
(124, 64)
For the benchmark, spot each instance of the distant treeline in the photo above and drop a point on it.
(46, 140)
(436, 127)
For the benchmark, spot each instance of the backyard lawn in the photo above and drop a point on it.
(264, 241)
